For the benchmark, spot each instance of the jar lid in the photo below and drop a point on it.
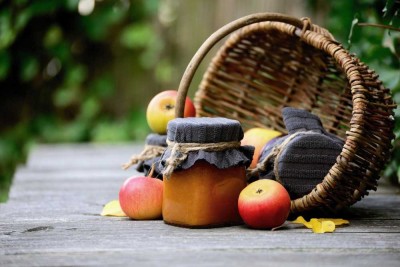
(204, 130)
(156, 140)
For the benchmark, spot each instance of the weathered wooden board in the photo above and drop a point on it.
(52, 219)
(220, 257)
(88, 156)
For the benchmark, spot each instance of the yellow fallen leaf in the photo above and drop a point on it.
(321, 225)
(113, 208)
(301, 220)
(335, 221)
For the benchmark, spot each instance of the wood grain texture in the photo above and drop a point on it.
(52, 219)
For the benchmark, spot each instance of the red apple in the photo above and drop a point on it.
(258, 137)
(161, 110)
(264, 204)
(141, 198)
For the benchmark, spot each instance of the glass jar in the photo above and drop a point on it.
(208, 172)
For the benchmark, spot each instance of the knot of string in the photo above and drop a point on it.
(179, 152)
(149, 152)
(273, 156)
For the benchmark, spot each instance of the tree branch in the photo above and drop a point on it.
(378, 26)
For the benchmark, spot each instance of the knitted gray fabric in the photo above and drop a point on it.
(156, 140)
(145, 166)
(208, 130)
(307, 158)
(204, 130)
(301, 120)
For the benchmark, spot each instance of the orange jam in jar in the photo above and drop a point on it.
(205, 171)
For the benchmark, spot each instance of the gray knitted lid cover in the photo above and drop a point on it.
(204, 130)
(209, 130)
(307, 158)
(156, 140)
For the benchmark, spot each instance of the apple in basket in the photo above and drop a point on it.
(258, 137)
(161, 109)
(141, 198)
(264, 204)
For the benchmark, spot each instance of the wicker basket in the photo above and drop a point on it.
(272, 61)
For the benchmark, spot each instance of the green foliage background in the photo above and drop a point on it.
(60, 73)
(65, 77)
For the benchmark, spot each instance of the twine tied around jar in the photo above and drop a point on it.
(149, 152)
(179, 152)
(274, 155)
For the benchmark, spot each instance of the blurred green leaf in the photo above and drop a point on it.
(29, 68)
(7, 35)
(137, 36)
(61, 51)
(138, 126)
(5, 63)
(151, 6)
(53, 36)
(164, 71)
(110, 131)
(89, 109)
(391, 79)
(40, 7)
(150, 57)
(99, 23)
(64, 132)
(76, 75)
(22, 19)
(14, 145)
(388, 6)
(103, 87)
(66, 96)
(72, 4)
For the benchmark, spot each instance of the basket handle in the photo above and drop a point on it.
(303, 24)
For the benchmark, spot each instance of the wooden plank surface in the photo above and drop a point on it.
(52, 219)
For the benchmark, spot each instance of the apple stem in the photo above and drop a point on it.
(169, 107)
(259, 191)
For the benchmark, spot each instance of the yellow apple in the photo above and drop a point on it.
(258, 137)
(161, 109)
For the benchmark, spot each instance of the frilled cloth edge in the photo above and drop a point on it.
(147, 168)
(220, 159)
